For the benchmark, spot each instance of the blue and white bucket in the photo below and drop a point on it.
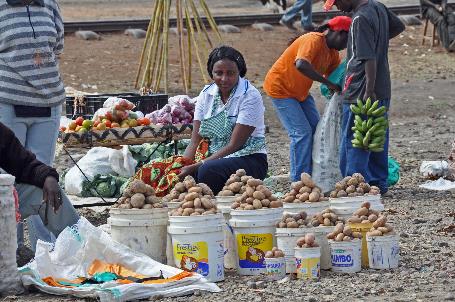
(383, 251)
(346, 256)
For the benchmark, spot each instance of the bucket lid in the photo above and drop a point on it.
(356, 199)
(308, 249)
(291, 232)
(225, 199)
(249, 224)
(353, 242)
(195, 219)
(361, 226)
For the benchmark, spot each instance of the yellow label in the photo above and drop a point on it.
(192, 257)
(252, 248)
(309, 268)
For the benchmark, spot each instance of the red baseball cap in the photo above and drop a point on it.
(328, 4)
(340, 23)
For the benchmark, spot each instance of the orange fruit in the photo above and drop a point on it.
(115, 125)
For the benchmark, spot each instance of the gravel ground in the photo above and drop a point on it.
(422, 128)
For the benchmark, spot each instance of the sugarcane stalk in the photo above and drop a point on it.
(166, 45)
(210, 19)
(200, 24)
(153, 46)
(181, 45)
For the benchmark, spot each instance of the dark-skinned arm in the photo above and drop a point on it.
(370, 74)
(190, 151)
(307, 70)
(396, 27)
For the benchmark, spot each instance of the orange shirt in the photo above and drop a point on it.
(284, 80)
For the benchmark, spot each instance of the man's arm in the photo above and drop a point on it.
(307, 70)
(370, 74)
(21, 163)
(396, 27)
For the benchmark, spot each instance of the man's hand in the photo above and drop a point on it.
(188, 170)
(370, 95)
(51, 193)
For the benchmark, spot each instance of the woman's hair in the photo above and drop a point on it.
(319, 29)
(226, 52)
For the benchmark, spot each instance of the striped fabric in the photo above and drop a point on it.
(31, 37)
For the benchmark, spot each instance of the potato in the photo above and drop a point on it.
(235, 205)
(342, 193)
(365, 221)
(314, 197)
(276, 204)
(249, 191)
(148, 206)
(374, 233)
(289, 219)
(258, 195)
(361, 212)
(209, 212)
(207, 203)
(331, 235)
(289, 199)
(197, 190)
(278, 253)
(268, 254)
(305, 189)
(372, 218)
(188, 211)
(249, 207)
(273, 198)
(380, 222)
(257, 204)
(297, 185)
(152, 199)
(292, 224)
(282, 224)
(226, 193)
(199, 210)
(265, 203)
(347, 231)
(254, 182)
(245, 179)
(353, 182)
(319, 218)
(310, 238)
(138, 186)
(188, 204)
(230, 181)
(197, 203)
(350, 189)
(240, 172)
(300, 241)
(339, 237)
(307, 181)
(389, 227)
(249, 200)
(366, 204)
(137, 200)
(303, 197)
(333, 194)
(340, 186)
(235, 187)
(339, 228)
(125, 206)
(326, 215)
(182, 196)
(383, 230)
(347, 238)
(189, 182)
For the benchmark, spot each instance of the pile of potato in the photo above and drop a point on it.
(274, 253)
(293, 221)
(308, 241)
(256, 196)
(139, 195)
(325, 218)
(364, 215)
(195, 199)
(304, 190)
(381, 228)
(352, 186)
(236, 184)
(344, 233)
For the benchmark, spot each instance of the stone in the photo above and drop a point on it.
(229, 29)
(87, 35)
(136, 33)
(262, 26)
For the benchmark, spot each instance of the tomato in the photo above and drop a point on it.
(108, 123)
(79, 121)
(115, 125)
(62, 129)
(145, 121)
(96, 123)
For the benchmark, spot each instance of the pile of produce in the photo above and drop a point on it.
(307, 242)
(236, 184)
(370, 125)
(139, 195)
(195, 199)
(304, 190)
(147, 153)
(381, 228)
(255, 196)
(182, 189)
(364, 215)
(274, 253)
(180, 112)
(344, 233)
(106, 186)
(325, 218)
(293, 221)
(352, 186)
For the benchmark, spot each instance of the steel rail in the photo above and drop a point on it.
(239, 20)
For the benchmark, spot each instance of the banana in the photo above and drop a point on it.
(377, 140)
(377, 149)
(380, 132)
(369, 123)
(358, 135)
(380, 119)
(354, 109)
(359, 104)
(366, 139)
(355, 142)
(364, 126)
(373, 108)
(373, 146)
(353, 129)
(368, 104)
(380, 111)
(358, 119)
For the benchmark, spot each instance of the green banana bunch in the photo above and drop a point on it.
(370, 125)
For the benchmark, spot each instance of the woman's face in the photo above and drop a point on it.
(225, 75)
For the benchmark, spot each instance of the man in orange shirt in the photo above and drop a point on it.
(311, 57)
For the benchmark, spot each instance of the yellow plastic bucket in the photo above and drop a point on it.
(362, 228)
(308, 263)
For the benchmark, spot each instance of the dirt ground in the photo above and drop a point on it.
(422, 128)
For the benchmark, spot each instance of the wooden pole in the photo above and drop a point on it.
(210, 19)
(181, 45)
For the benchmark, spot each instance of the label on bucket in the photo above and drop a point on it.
(252, 248)
(192, 257)
(342, 257)
(309, 268)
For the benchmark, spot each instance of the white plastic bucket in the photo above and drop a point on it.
(224, 203)
(254, 235)
(383, 251)
(173, 205)
(346, 256)
(141, 230)
(346, 206)
(308, 263)
(275, 268)
(311, 208)
(198, 244)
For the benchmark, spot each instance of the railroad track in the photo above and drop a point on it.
(242, 20)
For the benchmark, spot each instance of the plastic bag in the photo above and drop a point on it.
(326, 144)
(394, 172)
(440, 184)
(434, 169)
(118, 103)
(122, 162)
(78, 246)
(337, 77)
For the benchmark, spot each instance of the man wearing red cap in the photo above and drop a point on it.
(310, 57)
(367, 76)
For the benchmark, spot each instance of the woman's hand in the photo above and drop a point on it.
(188, 170)
(52, 193)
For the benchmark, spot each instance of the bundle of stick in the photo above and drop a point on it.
(153, 71)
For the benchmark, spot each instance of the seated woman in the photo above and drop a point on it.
(228, 130)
